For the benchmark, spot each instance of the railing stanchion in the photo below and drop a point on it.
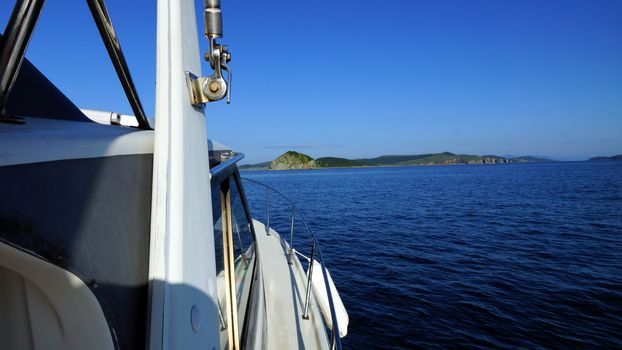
(335, 340)
(267, 211)
(305, 313)
(291, 237)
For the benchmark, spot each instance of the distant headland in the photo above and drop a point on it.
(292, 160)
(597, 159)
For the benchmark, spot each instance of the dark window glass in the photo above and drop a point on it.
(217, 215)
(242, 234)
(243, 246)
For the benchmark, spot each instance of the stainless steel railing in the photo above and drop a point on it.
(335, 340)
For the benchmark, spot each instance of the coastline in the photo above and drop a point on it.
(419, 165)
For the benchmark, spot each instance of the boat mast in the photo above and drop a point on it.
(183, 295)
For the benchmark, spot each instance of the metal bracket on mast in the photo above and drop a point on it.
(213, 87)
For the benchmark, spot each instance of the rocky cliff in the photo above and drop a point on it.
(480, 160)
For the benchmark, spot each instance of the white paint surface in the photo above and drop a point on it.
(182, 263)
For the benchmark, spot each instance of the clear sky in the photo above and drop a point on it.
(367, 78)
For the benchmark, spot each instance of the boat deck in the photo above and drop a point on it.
(284, 291)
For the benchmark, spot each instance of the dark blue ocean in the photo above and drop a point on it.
(473, 256)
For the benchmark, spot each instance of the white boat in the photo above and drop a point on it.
(120, 233)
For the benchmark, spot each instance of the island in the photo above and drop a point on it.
(292, 160)
(600, 159)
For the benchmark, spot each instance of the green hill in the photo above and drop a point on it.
(334, 162)
(530, 159)
(444, 158)
(258, 166)
(291, 160)
(394, 159)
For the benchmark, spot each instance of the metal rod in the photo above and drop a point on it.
(238, 181)
(229, 264)
(13, 46)
(113, 46)
(267, 211)
(291, 237)
(223, 325)
(212, 17)
(305, 313)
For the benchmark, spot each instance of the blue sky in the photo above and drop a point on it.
(367, 78)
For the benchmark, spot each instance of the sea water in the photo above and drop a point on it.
(478, 256)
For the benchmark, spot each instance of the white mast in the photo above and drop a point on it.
(183, 298)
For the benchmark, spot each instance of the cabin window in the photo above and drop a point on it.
(243, 246)
(217, 215)
(235, 256)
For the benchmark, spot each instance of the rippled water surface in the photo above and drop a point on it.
(490, 256)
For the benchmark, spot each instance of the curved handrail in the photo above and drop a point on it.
(335, 339)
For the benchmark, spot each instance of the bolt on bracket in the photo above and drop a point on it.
(205, 89)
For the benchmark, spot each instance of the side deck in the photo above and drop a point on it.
(284, 289)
